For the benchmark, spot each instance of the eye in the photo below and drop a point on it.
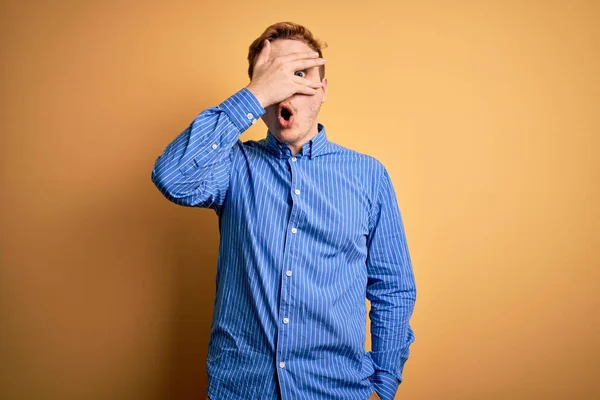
(301, 76)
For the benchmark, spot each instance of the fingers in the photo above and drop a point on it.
(307, 82)
(305, 64)
(306, 86)
(298, 56)
(302, 89)
(263, 56)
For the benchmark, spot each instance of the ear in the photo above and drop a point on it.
(324, 87)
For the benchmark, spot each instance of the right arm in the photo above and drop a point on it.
(194, 169)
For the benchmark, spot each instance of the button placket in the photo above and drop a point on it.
(288, 259)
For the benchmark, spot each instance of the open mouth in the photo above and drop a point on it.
(285, 116)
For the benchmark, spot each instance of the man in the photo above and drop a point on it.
(309, 229)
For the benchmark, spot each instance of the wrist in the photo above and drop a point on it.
(256, 92)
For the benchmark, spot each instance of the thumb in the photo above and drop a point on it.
(263, 56)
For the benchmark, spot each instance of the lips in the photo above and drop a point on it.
(285, 115)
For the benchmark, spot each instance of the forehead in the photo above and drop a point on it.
(282, 47)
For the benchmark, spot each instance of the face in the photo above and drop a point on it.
(306, 107)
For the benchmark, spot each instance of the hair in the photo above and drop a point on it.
(285, 30)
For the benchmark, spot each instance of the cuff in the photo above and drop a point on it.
(385, 384)
(243, 108)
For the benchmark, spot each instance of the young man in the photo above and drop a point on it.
(308, 229)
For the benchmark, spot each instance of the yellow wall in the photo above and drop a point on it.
(486, 114)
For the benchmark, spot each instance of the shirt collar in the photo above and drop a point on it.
(315, 146)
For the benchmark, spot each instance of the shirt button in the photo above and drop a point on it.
(297, 191)
(282, 365)
(249, 116)
(288, 272)
(285, 320)
(214, 146)
(293, 158)
(294, 230)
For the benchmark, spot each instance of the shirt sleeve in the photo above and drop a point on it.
(194, 169)
(391, 290)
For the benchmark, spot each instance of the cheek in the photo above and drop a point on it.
(271, 114)
(312, 108)
(308, 105)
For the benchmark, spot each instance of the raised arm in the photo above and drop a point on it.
(194, 169)
(390, 289)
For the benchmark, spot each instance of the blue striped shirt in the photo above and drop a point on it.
(304, 239)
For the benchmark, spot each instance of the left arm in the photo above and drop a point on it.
(391, 290)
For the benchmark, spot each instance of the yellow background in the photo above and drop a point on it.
(486, 114)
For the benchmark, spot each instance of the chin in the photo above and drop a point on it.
(282, 132)
(288, 134)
